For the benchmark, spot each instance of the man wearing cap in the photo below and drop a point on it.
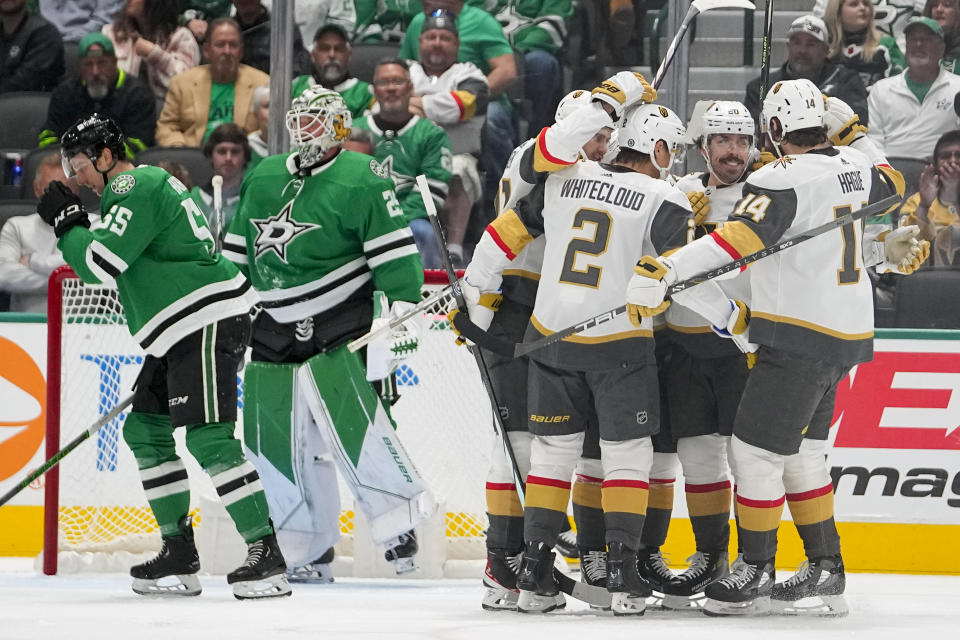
(101, 87)
(31, 50)
(331, 62)
(807, 58)
(909, 112)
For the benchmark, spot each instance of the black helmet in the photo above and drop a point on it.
(90, 136)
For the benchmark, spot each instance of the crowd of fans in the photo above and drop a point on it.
(194, 73)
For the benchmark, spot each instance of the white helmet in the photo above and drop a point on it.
(642, 126)
(724, 117)
(796, 105)
(317, 121)
(571, 102)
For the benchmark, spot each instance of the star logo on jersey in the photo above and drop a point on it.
(122, 183)
(277, 232)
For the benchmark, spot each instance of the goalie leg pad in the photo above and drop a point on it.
(386, 486)
(294, 462)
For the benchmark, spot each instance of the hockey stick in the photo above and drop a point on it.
(217, 183)
(477, 335)
(60, 455)
(696, 7)
(595, 596)
(424, 304)
(765, 51)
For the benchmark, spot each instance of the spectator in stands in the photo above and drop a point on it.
(178, 171)
(537, 30)
(807, 58)
(407, 146)
(310, 15)
(889, 16)
(454, 96)
(149, 42)
(855, 42)
(331, 70)
(254, 21)
(206, 96)
(384, 20)
(197, 15)
(481, 42)
(101, 87)
(76, 18)
(259, 148)
(361, 141)
(909, 112)
(934, 205)
(947, 15)
(28, 248)
(229, 154)
(31, 50)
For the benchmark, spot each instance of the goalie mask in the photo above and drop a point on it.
(791, 105)
(646, 124)
(732, 119)
(317, 121)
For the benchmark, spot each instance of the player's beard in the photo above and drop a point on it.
(729, 173)
(332, 72)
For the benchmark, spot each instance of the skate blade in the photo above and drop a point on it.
(272, 587)
(816, 606)
(176, 586)
(685, 603)
(403, 566)
(323, 576)
(756, 607)
(530, 602)
(499, 599)
(623, 604)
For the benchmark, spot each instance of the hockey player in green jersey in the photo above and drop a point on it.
(188, 309)
(318, 231)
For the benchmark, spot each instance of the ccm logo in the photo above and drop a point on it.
(179, 400)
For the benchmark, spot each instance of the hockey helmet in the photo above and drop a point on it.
(90, 136)
(571, 102)
(317, 121)
(795, 105)
(725, 117)
(642, 126)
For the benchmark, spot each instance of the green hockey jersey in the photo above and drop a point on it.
(312, 243)
(530, 25)
(153, 241)
(419, 147)
(357, 94)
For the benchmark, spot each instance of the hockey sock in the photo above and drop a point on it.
(659, 510)
(588, 512)
(505, 514)
(760, 498)
(546, 508)
(235, 479)
(709, 509)
(624, 509)
(810, 496)
(164, 478)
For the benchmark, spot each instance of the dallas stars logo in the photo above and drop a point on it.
(277, 232)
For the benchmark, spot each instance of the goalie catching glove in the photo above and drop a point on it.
(737, 329)
(843, 125)
(623, 90)
(386, 351)
(480, 307)
(648, 288)
(899, 251)
(61, 209)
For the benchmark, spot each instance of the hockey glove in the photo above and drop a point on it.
(700, 203)
(61, 209)
(737, 329)
(624, 89)
(843, 125)
(480, 307)
(387, 351)
(647, 289)
(902, 252)
(765, 158)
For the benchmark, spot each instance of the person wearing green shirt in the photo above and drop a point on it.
(331, 62)
(228, 151)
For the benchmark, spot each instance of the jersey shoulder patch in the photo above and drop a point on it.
(123, 183)
(378, 169)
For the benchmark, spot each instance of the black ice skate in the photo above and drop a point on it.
(822, 580)
(173, 572)
(685, 591)
(538, 588)
(593, 570)
(655, 572)
(630, 591)
(567, 544)
(500, 580)
(316, 572)
(402, 551)
(263, 573)
(745, 592)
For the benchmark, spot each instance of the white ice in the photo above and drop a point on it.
(78, 607)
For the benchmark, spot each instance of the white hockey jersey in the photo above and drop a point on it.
(455, 101)
(815, 298)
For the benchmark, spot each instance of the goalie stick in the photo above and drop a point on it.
(424, 304)
(481, 337)
(595, 596)
(217, 183)
(60, 455)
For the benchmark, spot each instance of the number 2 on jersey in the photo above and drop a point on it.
(589, 277)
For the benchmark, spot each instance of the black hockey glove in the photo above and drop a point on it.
(61, 209)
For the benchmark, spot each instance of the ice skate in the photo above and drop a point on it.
(316, 572)
(655, 572)
(815, 590)
(567, 545)
(173, 572)
(745, 592)
(630, 591)
(538, 589)
(685, 592)
(402, 552)
(262, 574)
(500, 580)
(593, 570)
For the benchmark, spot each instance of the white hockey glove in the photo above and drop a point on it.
(648, 287)
(843, 125)
(738, 330)
(624, 89)
(388, 350)
(481, 305)
(901, 251)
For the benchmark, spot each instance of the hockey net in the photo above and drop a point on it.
(96, 515)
